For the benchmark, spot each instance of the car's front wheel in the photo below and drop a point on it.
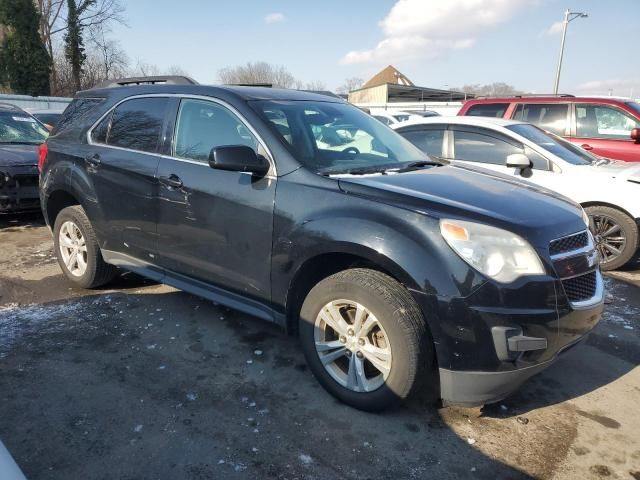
(616, 235)
(365, 339)
(77, 249)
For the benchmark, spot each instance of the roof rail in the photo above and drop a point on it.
(155, 80)
(527, 95)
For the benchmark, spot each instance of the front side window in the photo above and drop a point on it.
(203, 126)
(21, 128)
(137, 124)
(600, 121)
(556, 145)
(481, 148)
(488, 110)
(551, 116)
(333, 138)
(429, 140)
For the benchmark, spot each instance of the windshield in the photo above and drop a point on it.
(634, 105)
(333, 138)
(559, 147)
(19, 127)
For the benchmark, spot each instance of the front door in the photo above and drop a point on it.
(214, 226)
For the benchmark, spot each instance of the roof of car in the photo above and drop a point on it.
(548, 99)
(474, 121)
(246, 93)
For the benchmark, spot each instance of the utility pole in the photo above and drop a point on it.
(569, 16)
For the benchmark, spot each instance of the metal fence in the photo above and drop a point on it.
(36, 103)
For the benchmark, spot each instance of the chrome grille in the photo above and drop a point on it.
(567, 244)
(580, 288)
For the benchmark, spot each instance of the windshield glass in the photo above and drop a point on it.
(19, 127)
(634, 105)
(332, 138)
(559, 147)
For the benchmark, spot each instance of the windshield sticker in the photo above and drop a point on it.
(24, 119)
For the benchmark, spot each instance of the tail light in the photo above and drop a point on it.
(42, 156)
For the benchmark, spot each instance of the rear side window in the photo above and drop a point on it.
(477, 147)
(137, 124)
(488, 110)
(384, 120)
(429, 141)
(551, 117)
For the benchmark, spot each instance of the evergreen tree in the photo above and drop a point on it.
(73, 43)
(24, 62)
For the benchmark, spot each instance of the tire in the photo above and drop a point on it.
(399, 336)
(88, 270)
(625, 238)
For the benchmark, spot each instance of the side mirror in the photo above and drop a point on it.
(238, 158)
(635, 134)
(518, 160)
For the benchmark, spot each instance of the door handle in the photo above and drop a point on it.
(172, 181)
(93, 160)
(586, 146)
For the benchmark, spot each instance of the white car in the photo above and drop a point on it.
(395, 117)
(608, 190)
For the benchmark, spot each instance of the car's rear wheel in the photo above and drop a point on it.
(77, 249)
(616, 235)
(365, 339)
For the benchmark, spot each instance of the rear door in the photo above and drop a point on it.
(122, 165)
(214, 226)
(605, 130)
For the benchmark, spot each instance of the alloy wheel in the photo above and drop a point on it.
(73, 248)
(352, 346)
(610, 237)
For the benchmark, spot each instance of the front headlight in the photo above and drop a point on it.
(497, 253)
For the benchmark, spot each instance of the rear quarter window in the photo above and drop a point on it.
(78, 113)
(496, 110)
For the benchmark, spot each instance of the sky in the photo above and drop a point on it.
(435, 43)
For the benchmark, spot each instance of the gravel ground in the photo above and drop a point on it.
(141, 381)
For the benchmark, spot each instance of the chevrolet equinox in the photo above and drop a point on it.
(397, 273)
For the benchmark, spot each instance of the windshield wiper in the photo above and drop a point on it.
(420, 164)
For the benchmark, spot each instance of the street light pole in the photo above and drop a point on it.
(569, 16)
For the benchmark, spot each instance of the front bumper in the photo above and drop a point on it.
(492, 341)
(19, 189)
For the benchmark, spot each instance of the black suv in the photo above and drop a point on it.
(395, 271)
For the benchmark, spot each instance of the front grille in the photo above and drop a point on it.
(26, 180)
(567, 244)
(580, 288)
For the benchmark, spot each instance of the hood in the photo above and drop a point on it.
(617, 169)
(477, 195)
(17, 155)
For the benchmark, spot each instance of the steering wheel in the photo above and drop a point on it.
(351, 150)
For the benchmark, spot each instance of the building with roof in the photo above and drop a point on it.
(391, 88)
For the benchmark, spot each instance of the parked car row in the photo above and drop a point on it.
(608, 190)
(397, 271)
(608, 127)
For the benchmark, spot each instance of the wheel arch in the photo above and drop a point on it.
(596, 203)
(321, 265)
(57, 200)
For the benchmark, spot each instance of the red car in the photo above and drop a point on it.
(608, 127)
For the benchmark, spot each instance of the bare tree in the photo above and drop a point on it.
(54, 20)
(316, 86)
(178, 71)
(350, 84)
(114, 60)
(258, 72)
(495, 89)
